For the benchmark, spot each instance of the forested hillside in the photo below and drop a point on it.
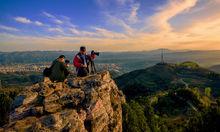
(171, 97)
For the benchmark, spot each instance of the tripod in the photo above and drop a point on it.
(93, 69)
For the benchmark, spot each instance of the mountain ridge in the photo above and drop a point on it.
(167, 76)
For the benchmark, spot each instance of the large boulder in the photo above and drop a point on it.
(94, 105)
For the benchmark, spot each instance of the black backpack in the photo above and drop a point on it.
(48, 71)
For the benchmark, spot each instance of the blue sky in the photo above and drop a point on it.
(109, 25)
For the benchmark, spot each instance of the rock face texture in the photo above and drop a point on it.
(93, 105)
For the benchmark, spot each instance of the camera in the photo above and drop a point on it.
(94, 53)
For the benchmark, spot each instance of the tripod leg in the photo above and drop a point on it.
(94, 67)
(93, 70)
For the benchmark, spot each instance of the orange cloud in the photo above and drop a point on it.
(159, 21)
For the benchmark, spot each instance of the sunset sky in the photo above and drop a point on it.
(109, 25)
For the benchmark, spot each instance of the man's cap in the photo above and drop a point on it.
(62, 56)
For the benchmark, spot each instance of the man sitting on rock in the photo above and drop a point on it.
(58, 69)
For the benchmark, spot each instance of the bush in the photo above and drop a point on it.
(208, 92)
(189, 64)
(6, 97)
(134, 119)
(5, 102)
(206, 121)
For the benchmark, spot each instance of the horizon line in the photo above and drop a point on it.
(181, 50)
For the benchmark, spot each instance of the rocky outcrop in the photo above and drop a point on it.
(94, 104)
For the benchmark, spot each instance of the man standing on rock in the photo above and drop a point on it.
(58, 70)
(80, 61)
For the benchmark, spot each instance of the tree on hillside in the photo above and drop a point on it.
(134, 119)
(208, 91)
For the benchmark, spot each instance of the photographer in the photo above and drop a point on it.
(84, 62)
(92, 56)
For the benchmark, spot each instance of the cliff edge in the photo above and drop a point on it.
(93, 106)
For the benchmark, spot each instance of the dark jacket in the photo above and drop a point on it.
(57, 71)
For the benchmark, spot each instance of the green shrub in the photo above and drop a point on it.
(208, 91)
(189, 64)
(6, 97)
(134, 119)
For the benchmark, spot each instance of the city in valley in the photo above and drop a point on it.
(39, 67)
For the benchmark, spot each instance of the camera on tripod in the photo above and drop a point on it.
(92, 69)
(94, 53)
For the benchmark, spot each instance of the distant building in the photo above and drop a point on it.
(162, 57)
(162, 62)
